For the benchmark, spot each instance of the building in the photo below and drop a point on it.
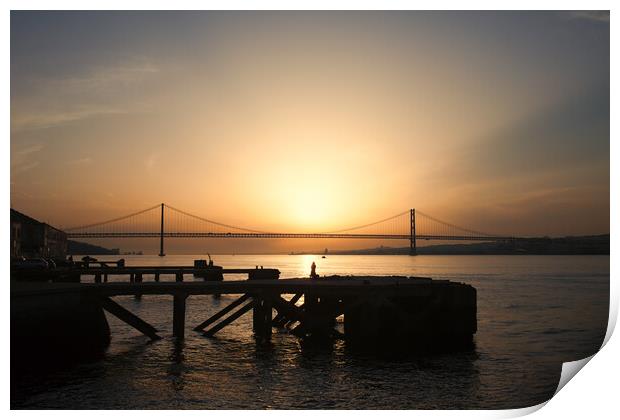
(31, 238)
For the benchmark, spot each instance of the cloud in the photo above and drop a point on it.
(81, 161)
(21, 168)
(151, 161)
(30, 149)
(592, 15)
(21, 159)
(571, 133)
(100, 91)
(104, 78)
(52, 119)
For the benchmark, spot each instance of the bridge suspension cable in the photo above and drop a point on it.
(166, 221)
(371, 224)
(110, 221)
(434, 226)
(212, 222)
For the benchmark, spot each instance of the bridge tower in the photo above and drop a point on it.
(412, 238)
(161, 233)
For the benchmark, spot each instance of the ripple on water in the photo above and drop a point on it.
(534, 313)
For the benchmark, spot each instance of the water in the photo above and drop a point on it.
(534, 312)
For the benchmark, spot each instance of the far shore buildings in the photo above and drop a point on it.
(32, 239)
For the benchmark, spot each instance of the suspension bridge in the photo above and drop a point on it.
(164, 221)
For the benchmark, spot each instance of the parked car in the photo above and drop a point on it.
(29, 264)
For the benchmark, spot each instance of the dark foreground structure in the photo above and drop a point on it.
(33, 239)
(415, 313)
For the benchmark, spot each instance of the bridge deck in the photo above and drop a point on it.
(285, 236)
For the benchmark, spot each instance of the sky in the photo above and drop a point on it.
(313, 121)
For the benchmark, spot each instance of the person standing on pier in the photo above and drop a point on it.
(313, 274)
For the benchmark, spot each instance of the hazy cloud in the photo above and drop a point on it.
(30, 149)
(594, 15)
(151, 161)
(52, 119)
(82, 161)
(22, 159)
(21, 168)
(98, 92)
(104, 78)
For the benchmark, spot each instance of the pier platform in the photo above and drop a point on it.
(414, 312)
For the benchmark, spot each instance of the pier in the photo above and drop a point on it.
(413, 311)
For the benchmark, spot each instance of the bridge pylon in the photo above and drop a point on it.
(161, 233)
(413, 250)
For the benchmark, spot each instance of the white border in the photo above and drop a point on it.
(593, 394)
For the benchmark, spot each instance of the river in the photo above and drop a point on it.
(534, 312)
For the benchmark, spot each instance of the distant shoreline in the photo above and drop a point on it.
(571, 245)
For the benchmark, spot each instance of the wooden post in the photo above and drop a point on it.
(319, 315)
(138, 279)
(157, 277)
(256, 313)
(179, 276)
(267, 314)
(97, 278)
(261, 324)
(178, 315)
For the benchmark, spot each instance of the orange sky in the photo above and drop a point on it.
(313, 120)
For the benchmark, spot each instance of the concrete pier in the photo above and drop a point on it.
(441, 317)
(394, 312)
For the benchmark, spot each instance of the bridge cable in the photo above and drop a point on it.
(113, 220)
(214, 222)
(368, 224)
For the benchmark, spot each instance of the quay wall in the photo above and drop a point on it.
(54, 322)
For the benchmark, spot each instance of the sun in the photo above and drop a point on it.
(310, 209)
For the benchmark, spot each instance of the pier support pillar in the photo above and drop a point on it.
(178, 315)
(262, 316)
(320, 318)
(137, 279)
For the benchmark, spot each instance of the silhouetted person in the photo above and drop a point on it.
(313, 274)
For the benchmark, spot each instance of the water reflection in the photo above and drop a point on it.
(527, 325)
